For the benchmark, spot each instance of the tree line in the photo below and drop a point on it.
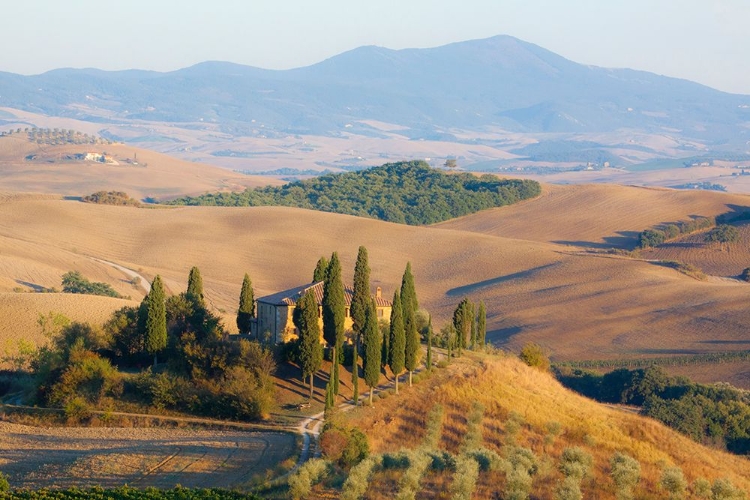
(716, 414)
(404, 192)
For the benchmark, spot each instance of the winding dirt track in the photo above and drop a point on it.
(60, 457)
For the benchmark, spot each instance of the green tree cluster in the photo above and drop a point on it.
(404, 192)
(75, 282)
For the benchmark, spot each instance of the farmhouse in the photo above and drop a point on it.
(274, 312)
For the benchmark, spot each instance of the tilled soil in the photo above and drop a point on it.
(35, 457)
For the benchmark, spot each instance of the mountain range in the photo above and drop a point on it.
(495, 83)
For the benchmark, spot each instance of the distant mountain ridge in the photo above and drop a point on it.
(496, 82)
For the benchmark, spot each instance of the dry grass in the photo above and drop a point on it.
(505, 386)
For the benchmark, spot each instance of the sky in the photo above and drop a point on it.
(706, 41)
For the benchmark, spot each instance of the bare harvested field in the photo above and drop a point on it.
(154, 175)
(61, 457)
(712, 258)
(595, 215)
(580, 307)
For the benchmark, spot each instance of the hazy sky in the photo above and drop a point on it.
(707, 41)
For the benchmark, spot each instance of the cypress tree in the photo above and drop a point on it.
(428, 361)
(355, 369)
(156, 320)
(334, 312)
(309, 350)
(409, 306)
(398, 339)
(385, 343)
(320, 270)
(246, 311)
(195, 287)
(482, 324)
(330, 396)
(473, 321)
(462, 324)
(361, 293)
(408, 291)
(372, 348)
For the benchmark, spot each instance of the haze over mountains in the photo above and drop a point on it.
(495, 105)
(496, 82)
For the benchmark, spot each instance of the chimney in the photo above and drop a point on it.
(378, 292)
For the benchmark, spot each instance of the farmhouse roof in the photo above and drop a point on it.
(290, 297)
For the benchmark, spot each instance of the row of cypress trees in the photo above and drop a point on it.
(399, 349)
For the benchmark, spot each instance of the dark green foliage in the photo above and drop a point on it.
(361, 292)
(718, 414)
(404, 192)
(246, 311)
(111, 198)
(156, 319)
(355, 369)
(462, 323)
(320, 270)
(74, 282)
(371, 339)
(651, 238)
(482, 324)
(309, 350)
(723, 233)
(128, 493)
(128, 341)
(655, 237)
(334, 313)
(195, 287)
(409, 305)
(397, 342)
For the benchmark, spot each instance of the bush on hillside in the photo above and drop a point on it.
(111, 198)
(534, 355)
(405, 192)
(75, 282)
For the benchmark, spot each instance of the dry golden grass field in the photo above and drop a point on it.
(511, 392)
(535, 287)
(155, 175)
(35, 457)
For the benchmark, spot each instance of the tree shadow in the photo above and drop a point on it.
(626, 240)
(503, 335)
(725, 342)
(33, 286)
(479, 285)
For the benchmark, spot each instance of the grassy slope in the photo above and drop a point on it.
(163, 176)
(505, 385)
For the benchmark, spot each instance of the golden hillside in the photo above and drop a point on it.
(139, 172)
(521, 406)
(578, 306)
(595, 215)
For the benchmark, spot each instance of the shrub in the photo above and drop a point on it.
(310, 473)
(332, 444)
(569, 489)
(74, 282)
(419, 461)
(521, 465)
(357, 448)
(4, 484)
(434, 427)
(673, 482)
(723, 489)
(625, 472)
(488, 460)
(356, 483)
(701, 488)
(575, 463)
(534, 355)
(465, 478)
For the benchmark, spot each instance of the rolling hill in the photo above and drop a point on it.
(578, 306)
(29, 167)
